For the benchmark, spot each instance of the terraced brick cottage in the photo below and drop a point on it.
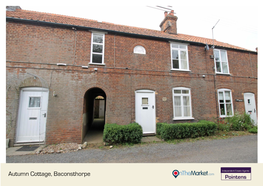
(63, 71)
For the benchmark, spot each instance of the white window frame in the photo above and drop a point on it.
(139, 50)
(221, 66)
(179, 54)
(103, 47)
(182, 106)
(231, 102)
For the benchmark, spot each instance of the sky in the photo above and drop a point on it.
(238, 22)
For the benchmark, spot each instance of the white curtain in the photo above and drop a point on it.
(227, 95)
(183, 60)
(177, 106)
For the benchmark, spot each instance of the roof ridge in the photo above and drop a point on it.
(60, 15)
(78, 21)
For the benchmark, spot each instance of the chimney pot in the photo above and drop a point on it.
(13, 8)
(171, 13)
(165, 13)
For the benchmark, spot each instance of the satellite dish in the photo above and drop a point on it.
(206, 47)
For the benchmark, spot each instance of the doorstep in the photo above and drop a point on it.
(150, 139)
(13, 151)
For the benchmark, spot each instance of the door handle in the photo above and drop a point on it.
(254, 110)
(153, 106)
(45, 115)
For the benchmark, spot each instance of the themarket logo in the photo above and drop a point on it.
(235, 173)
(176, 173)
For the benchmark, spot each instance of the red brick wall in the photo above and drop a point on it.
(35, 50)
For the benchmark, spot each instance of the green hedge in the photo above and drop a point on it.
(186, 130)
(131, 133)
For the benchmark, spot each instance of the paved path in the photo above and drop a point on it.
(242, 149)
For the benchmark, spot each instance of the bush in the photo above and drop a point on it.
(224, 127)
(131, 133)
(253, 129)
(186, 130)
(239, 122)
(159, 128)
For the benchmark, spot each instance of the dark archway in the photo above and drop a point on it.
(94, 110)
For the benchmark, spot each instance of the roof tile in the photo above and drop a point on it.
(62, 19)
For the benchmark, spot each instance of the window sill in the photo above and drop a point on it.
(223, 74)
(185, 118)
(181, 70)
(225, 116)
(101, 64)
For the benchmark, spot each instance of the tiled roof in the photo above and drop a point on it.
(61, 19)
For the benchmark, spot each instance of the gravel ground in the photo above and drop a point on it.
(242, 149)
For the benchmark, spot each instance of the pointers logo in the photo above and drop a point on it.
(236, 173)
(175, 173)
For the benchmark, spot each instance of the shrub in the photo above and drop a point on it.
(186, 130)
(240, 122)
(224, 127)
(159, 128)
(253, 129)
(131, 133)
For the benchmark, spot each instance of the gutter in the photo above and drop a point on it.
(70, 26)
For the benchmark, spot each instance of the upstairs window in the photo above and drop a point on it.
(139, 50)
(221, 61)
(179, 53)
(182, 103)
(97, 48)
(225, 103)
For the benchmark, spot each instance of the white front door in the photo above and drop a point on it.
(32, 115)
(250, 106)
(145, 110)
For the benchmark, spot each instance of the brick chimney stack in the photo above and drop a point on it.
(169, 24)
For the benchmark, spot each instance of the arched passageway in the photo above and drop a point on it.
(94, 110)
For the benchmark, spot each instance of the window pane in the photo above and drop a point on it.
(178, 112)
(227, 95)
(186, 101)
(216, 53)
(183, 55)
(187, 111)
(177, 100)
(177, 91)
(177, 106)
(185, 91)
(96, 58)
(97, 48)
(176, 64)
(139, 50)
(175, 54)
(221, 96)
(97, 38)
(218, 67)
(183, 64)
(222, 109)
(225, 69)
(145, 101)
(175, 46)
(183, 60)
(223, 56)
(229, 109)
(34, 102)
(183, 46)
